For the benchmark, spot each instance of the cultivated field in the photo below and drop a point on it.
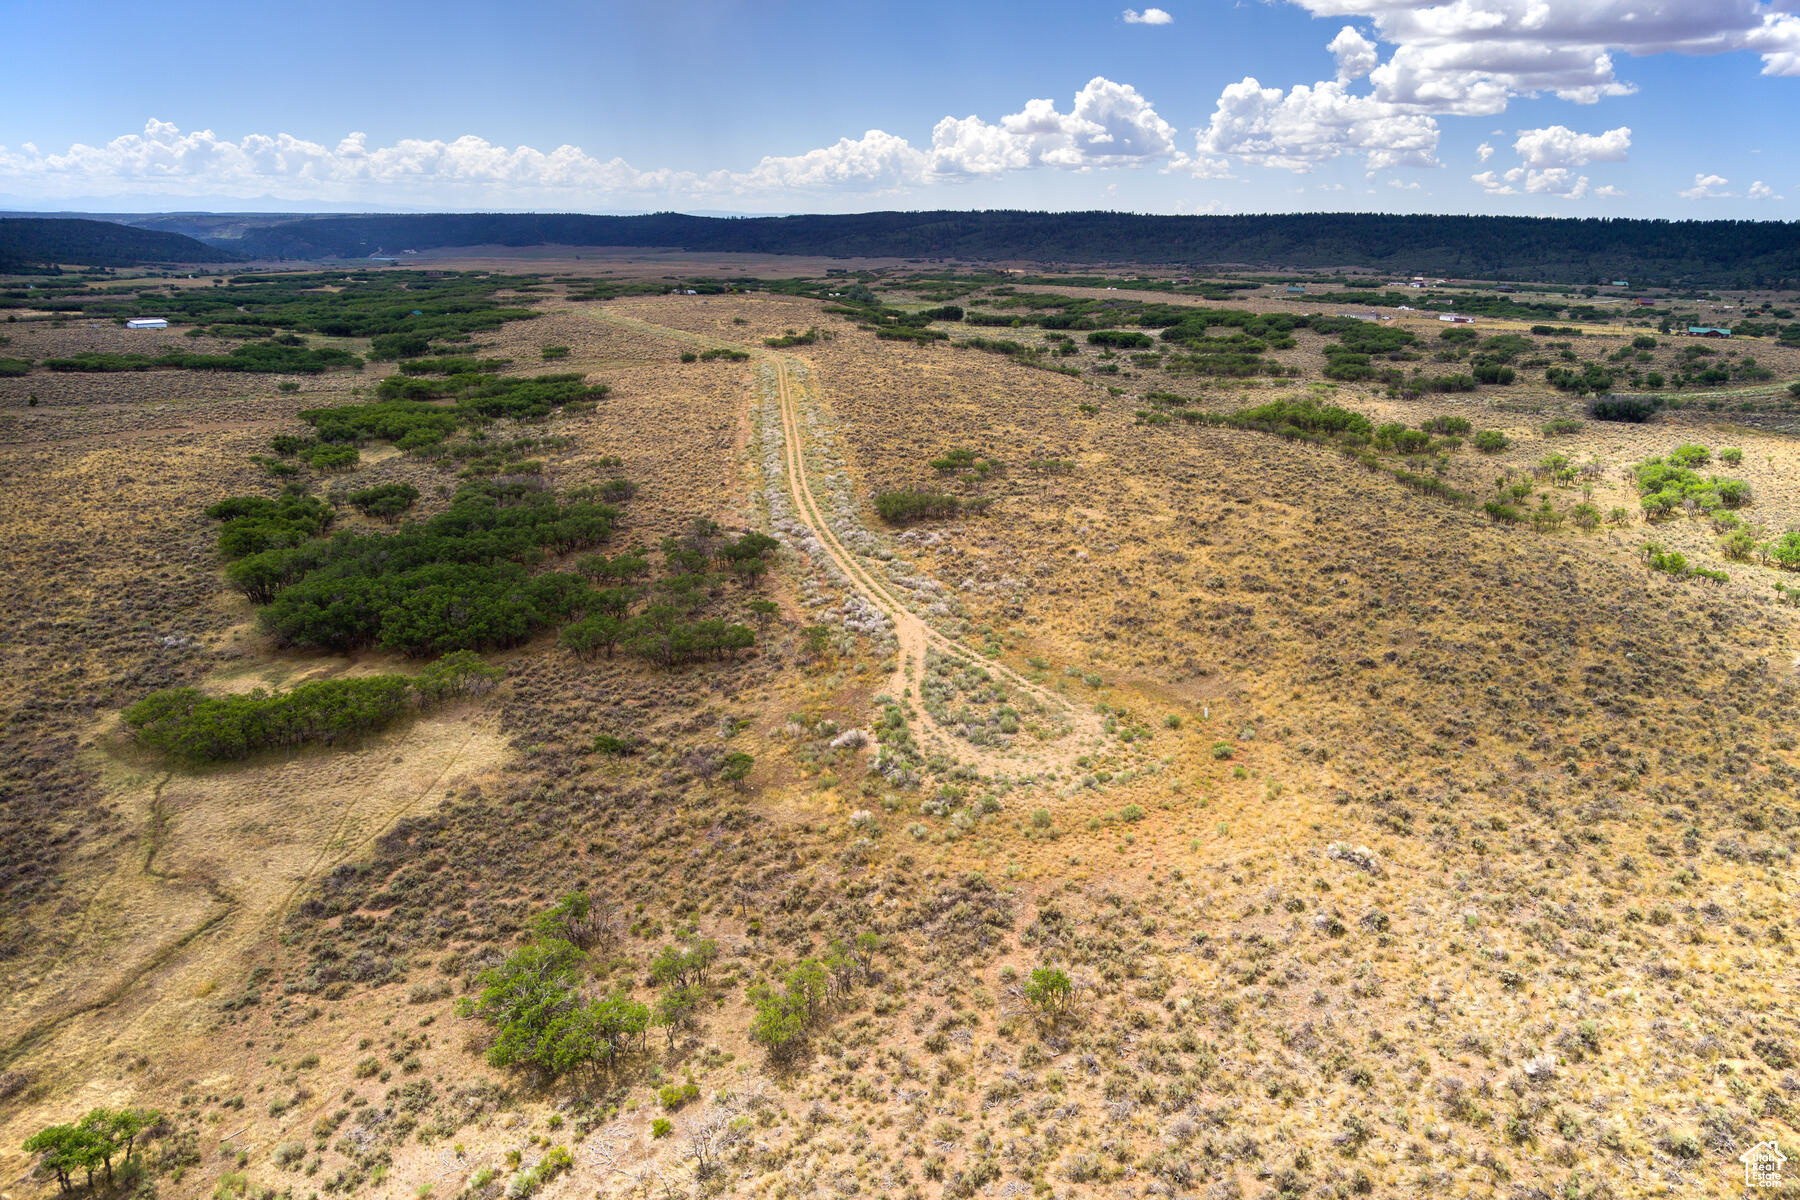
(1171, 802)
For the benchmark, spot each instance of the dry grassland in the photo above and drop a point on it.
(1391, 851)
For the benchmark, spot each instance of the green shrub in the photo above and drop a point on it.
(1049, 990)
(673, 1096)
(1634, 409)
(905, 506)
(1491, 441)
(793, 339)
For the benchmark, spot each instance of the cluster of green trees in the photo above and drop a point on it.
(1120, 339)
(1482, 247)
(384, 501)
(1784, 551)
(255, 524)
(1352, 357)
(316, 454)
(93, 1143)
(404, 411)
(186, 723)
(403, 311)
(1581, 379)
(1670, 485)
(541, 1015)
(1674, 562)
(787, 1007)
(458, 580)
(1634, 409)
(262, 357)
(452, 364)
(793, 339)
(673, 629)
(1295, 417)
(904, 506)
(77, 241)
(542, 1019)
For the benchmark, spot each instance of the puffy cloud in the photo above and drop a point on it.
(1484, 152)
(1356, 55)
(1480, 51)
(1150, 16)
(1548, 159)
(1109, 125)
(1472, 57)
(165, 161)
(1306, 126)
(1200, 167)
(1715, 187)
(1708, 187)
(1554, 181)
(877, 160)
(1560, 146)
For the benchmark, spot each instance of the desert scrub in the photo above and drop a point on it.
(968, 700)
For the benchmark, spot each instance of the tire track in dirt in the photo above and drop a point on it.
(913, 634)
(325, 860)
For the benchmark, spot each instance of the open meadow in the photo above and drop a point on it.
(680, 725)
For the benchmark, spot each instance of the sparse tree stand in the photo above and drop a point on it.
(93, 1142)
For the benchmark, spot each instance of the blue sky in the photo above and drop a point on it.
(1675, 108)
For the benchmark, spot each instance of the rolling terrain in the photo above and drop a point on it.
(1179, 802)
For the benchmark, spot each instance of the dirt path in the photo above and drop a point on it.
(914, 636)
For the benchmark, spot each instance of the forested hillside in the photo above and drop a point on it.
(73, 242)
(1524, 248)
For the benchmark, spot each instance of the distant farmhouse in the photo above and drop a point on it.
(1456, 319)
(147, 323)
(1712, 331)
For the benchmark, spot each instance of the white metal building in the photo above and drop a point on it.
(146, 323)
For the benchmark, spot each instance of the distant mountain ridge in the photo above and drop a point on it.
(1521, 248)
(78, 242)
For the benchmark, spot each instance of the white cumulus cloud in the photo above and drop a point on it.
(1356, 55)
(1109, 124)
(1554, 181)
(1473, 57)
(1150, 16)
(877, 160)
(1708, 187)
(1305, 126)
(1560, 146)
